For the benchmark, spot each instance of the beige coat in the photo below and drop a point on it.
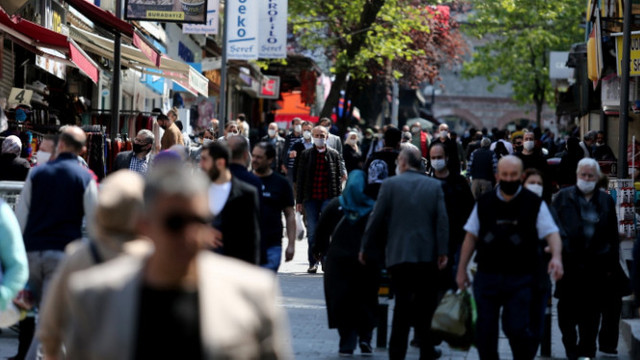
(172, 136)
(53, 316)
(239, 315)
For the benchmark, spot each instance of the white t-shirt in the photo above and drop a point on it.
(218, 196)
(544, 224)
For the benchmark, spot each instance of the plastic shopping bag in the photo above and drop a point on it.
(300, 229)
(454, 319)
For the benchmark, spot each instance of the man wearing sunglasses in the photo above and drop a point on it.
(182, 301)
(140, 157)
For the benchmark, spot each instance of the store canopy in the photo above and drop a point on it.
(178, 71)
(47, 43)
(102, 17)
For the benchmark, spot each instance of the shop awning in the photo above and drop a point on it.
(102, 17)
(134, 58)
(47, 43)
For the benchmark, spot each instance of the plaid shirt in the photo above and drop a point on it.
(320, 178)
(139, 166)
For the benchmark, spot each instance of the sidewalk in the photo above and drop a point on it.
(303, 299)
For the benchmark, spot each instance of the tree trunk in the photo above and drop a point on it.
(367, 17)
(539, 105)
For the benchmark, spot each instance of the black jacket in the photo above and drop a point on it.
(587, 262)
(306, 169)
(13, 168)
(239, 223)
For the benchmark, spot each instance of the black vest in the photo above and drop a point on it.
(508, 238)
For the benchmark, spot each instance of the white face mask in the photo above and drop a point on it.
(444, 133)
(415, 129)
(320, 143)
(438, 164)
(206, 142)
(528, 145)
(307, 134)
(351, 141)
(297, 128)
(535, 188)
(42, 157)
(271, 132)
(232, 133)
(586, 187)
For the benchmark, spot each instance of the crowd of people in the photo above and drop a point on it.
(162, 258)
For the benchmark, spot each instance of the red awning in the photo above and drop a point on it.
(48, 43)
(102, 17)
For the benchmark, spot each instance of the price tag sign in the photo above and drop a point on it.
(20, 96)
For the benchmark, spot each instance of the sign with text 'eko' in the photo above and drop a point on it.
(257, 29)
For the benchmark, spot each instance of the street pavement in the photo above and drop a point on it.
(303, 299)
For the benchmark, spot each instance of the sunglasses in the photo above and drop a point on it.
(178, 222)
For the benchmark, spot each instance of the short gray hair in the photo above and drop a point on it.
(591, 135)
(413, 157)
(173, 179)
(589, 162)
(485, 142)
(148, 135)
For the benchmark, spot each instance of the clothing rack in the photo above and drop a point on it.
(94, 129)
(126, 112)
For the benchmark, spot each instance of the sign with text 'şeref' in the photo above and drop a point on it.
(272, 41)
(242, 29)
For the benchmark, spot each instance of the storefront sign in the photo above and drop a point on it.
(269, 87)
(19, 96)
(184, 11)
(211, 27)
(53, 67)
(242, 29)
(273, 29)
(635, 53)
(198, 82)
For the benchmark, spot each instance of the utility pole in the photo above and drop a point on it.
(222, 117)
(115, 79)
(623, 129)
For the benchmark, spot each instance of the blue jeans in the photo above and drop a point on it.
(274, 256)
(313, 208)
(513, 294)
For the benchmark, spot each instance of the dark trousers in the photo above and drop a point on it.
(512, 294)
(415, 289)
(349, 337)
(610, 326)
(583, 313)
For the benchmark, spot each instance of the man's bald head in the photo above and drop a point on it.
(509, 168)
(72, 139)
(239, 149)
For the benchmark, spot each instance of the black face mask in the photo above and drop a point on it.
(138, 148)
(519, 148)
(509, 187)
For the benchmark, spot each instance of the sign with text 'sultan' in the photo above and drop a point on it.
(183, 11)
(272, 41)
(242, 29)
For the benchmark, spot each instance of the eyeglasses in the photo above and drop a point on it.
(178, 222)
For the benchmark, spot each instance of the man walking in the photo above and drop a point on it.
(452, 148)
(172, 135)
(482, 167)
(318, 181)
(278, 142)
(181, 301)
(234, 204)
(289, 155)
(409, 225)
(506, 227)
(277, 198)
(54, 200)
(139, 158)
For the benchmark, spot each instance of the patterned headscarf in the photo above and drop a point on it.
(12, 145)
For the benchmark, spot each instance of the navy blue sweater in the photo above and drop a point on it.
(57, 204)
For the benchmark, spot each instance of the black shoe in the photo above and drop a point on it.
(312, 269)
(365, 349)
(414, 343)
(437, 352)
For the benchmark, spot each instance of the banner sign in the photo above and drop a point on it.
(242, 29)
(272, 40)
(211, 26)
(269, 87)
(147, 49)
(184, 11)
(634, 53)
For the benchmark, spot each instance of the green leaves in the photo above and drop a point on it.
(516, 37)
